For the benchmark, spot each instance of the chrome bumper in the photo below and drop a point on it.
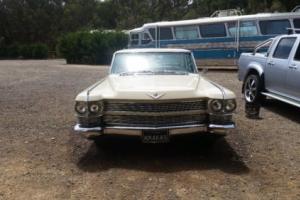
(138, 131)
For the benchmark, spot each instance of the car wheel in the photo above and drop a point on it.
(252, 89)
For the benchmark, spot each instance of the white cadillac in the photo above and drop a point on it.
(154, 94)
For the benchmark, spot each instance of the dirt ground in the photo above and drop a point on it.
(42, 158)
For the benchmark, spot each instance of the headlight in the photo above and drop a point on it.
(89, 107)
(81, 108)
(230, 105)
(96, 107)
(216, 105)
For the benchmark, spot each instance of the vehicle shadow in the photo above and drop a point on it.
(283, 109)
(183, 153)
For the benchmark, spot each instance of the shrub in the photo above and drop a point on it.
(91, 48)
(32, 51)
(12, 51)
(25, 51)
(39, 51)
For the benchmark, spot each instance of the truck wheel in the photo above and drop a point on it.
(253, 89)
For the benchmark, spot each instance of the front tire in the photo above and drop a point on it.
(253, 87)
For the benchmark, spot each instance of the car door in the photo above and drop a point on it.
(277, 66)
(293, 74)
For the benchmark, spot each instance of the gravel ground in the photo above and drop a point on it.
(41, 157)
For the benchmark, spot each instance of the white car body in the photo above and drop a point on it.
(154, 99)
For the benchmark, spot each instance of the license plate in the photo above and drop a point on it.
(156, 136)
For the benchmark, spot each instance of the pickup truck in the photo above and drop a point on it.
(274, 74)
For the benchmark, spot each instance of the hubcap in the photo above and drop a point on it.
(251, 89)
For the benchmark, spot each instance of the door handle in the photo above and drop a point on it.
(293, 66)
(271, 63)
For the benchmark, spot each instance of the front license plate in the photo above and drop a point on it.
(155, 136)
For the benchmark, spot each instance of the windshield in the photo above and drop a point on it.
(153, 62)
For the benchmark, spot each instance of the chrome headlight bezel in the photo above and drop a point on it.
(96, 107)
(222, 106)
(81, 107)
(84, 108)
(215, 105)
(230, 105)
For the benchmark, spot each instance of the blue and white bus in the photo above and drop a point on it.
(215, 41)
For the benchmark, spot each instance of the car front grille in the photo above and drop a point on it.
(156, 106)
(153, 121)
(154, 114)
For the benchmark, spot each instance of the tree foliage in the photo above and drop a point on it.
(85, 47)
(24, 22)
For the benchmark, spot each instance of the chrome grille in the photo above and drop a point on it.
(155, 106)
(153, 121)
(154, 113)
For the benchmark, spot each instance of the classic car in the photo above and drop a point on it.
(154, 94)
(274, 73)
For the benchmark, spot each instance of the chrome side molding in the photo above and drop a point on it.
(283, 99)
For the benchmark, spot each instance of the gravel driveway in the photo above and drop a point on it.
(41, 157)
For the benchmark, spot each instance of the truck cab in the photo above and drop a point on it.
(274, 73)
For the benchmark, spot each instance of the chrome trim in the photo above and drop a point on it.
(138, 131)
(154, 128)
(217, 126)
(283, 99)
(170, 113)
(219, 87)
(221, 114)
(91, 88)
(202, 99)
(93, 129)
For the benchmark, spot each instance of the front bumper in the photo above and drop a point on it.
(138, 131)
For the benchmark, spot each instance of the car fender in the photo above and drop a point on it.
(254, 67)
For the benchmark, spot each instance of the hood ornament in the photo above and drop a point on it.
(155, 95)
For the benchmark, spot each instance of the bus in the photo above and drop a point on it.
(216, 42)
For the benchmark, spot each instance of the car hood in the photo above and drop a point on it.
(153, 83)
(145, 87)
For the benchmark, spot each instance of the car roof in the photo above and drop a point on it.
(152, 50)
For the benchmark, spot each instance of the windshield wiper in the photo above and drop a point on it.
(172, 72)
(136, 72)
(154, 72)
(126, 73)
(145, 72)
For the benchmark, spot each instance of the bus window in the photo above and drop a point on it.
(297, 24)
(232, 26)
(152, 33)
(165, 33)
(213, 30)
(273, 27)
(186, 32)
(247, 28)
(146, 38)
(134, 39)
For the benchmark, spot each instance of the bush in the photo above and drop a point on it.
(33, 51)
(25, 51)
(39, 51)
(91, 48)
(12, 51)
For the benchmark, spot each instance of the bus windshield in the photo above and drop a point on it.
(153, 62)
